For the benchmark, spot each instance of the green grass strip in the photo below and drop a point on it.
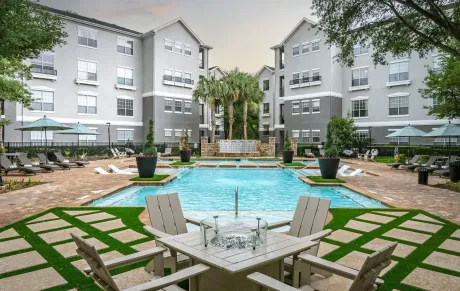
(154, 178)
(384, 160)
(319, 179)
(295, 164)
(182, 163)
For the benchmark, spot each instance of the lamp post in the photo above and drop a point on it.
(108, 130)
(370, 136)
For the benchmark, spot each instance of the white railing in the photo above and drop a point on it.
(238, 146)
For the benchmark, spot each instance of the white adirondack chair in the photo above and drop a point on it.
(364, 156)
(99, 270)
(114, 154)
(167, 219)
(366, 279)
(120, 154)
(309, 220)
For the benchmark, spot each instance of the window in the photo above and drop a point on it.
(399, 71)
(125, 46)
(315, 75)
(295, 107)
(217, 131)
(177, 106)
(87, 37)
(125, 135)
(40, 135)
(87, 138)
(168, 105)
(305, 48)
(200, 59)
(187, 107)
(315, 46)
(295, 78)
(187, 50)
(178, 132)
(444, 141)
(362, 134)
(305, 107)
(125, 76)
(359, 108)
(295, 50)
(315, 106)
(168, 132)
(87, 104)
(295, 133)
(125, 107)
(435, 102)
(359, 77)
(315, 136)
(168, 75)
(44, 64)
(178, 76)
(187, 78)
(266, 130)
(305, 76)
(266, 108)
(217, 109)
(87, 70)
(399, 105)
(42, 100)
(397, 140)
(168, 45)
(437, 64)
(266, 85)
(178, 48)
(305, 136)
(360, 50)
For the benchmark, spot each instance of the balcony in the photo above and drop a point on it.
(281, 119)
(178, 81)
(44, 73)
(281, 92)
(305, 82)
(201, 119)
(282, 65)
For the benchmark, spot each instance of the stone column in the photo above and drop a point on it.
(204, 146)
(294, 141)
(271, 146)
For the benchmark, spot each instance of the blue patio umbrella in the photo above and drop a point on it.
(449, 130)
(43, 124)
(408, 131)
(78, 129)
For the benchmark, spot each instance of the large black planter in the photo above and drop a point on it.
(288, 156)
(185, 156)
(328, 167)
(146, 166)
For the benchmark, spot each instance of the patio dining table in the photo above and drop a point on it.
(229, 267)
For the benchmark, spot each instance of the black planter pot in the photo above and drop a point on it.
(146, 166)
(328, 167)
(288, 156)
(185, 156)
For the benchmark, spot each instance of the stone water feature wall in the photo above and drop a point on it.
(294, 143)
(263, 149)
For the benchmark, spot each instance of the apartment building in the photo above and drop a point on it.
(307, 87)
(113, 80)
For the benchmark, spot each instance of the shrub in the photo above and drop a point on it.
(401, 158)
(287, 142)
(149, 147)
(423, 159)
(184, 144)
(340, 131)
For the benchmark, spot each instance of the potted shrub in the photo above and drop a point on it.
(147, 160)
(339, 134)
(288, 153)
(185, 152)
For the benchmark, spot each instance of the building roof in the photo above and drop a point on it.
(304, 20)
(69, 14)
(271, 69)
(217, 68)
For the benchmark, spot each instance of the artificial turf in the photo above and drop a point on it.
(295, 164)
(154, 178)
(177, 163)
(319, 179)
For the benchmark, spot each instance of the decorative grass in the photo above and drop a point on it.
(319, 179)
(295, 164)
(182, 163)
(385, 160)
(154, 178)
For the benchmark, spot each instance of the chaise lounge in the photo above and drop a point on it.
(44, 161)
(60, 158)
(25, 161)
(9, 167)
(429, 163)
(411, 162)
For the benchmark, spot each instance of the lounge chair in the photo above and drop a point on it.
(308, 220)
(411, 162)
(26, 162)
(60, 158)
(429, 163)
(356, 172)
(9, 167)
(168, 152)
(348, 152)
(164, 224)
(99, 270)
(308, 153)
(101, 171)
(44, 161)
(443, 167)
(366, 279)
(120, 154)
(114, 153)
(118, 171)
(342, 170)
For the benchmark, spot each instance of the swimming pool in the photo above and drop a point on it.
(259, 190)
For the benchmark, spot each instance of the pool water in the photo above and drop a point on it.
(204, 189)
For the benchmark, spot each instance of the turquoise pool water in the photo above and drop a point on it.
(259, 190)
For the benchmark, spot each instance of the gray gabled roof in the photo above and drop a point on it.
(304, 20)
(271, 69)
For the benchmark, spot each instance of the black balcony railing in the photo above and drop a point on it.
(46, 71)
(282, 65)
(201, 119)
(178, 79)
(281, 119)
(305, 80)
(281, 92)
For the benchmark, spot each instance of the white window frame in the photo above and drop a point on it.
(362, 134)
(41, 98)
(359, 108)
(181, 76)
(397, 140)
(306, 136)
(313, 42)
(263, 108)
(189, 47)
(49, 136)
(87, 71)
(124, 73)
(185, 106)
(305, 44)
(263, 84)
(398, 62)
(295, 133)
(315, 133)
(86, 97)
(124, 135)
(178, 131)
(399, 105)
(437, 66)
(125, 98)
(303, 78)
(360, 73)
(181, 47)
(297, 105)
(172, 105)
(358, 46)
(90, 31)
(86, 138)
(308, 106)
(125, 39)
(296, 46)
(39, 62)
(181, 106)
(313, 106)
(172, 45)
(168, 132)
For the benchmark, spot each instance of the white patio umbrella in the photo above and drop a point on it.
(449, 130)
(408, 131)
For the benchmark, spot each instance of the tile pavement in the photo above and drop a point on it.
(343, 236)
(33, 281)
(402, 250)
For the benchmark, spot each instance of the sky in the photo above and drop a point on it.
(240, 31)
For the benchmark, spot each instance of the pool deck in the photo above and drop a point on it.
(76, 187)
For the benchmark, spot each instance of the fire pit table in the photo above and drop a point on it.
(235, 247)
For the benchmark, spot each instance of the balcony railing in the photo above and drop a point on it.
(201, 119)
(305, 80)
(282, 65)
(281, 119)
(281, 92)
(40, 70)
(178, 79)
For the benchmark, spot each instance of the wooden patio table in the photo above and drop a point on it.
(229, 267)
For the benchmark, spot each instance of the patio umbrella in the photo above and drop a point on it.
(408, 131)
(78, 129)
(43, 124)
(449, 130)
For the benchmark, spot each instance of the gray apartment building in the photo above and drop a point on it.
(307, 86)
(113, 79)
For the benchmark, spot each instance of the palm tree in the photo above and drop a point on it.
(231, 94)
(210, 92)
(250, 93)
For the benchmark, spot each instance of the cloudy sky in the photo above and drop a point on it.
(241, 31)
